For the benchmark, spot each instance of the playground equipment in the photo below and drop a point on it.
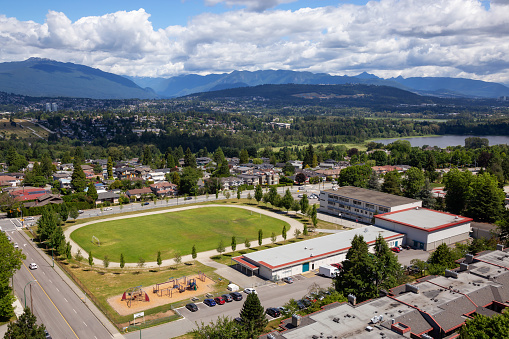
(180, 285)
(191, 285)
(134, 294)
(202, 276)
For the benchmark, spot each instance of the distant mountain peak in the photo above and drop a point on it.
(366, 75)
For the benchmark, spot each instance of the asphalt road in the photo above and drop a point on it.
(271, 295)
(54, 303)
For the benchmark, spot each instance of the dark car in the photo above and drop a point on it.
(219, 300)
(192, 307)
(209, 302)
(273, 312)
(145, 203)
(236, 296)
(300, 304)
(47, 335)
(228, 298)
(288, 280)
(188, 198)
(306, 302)
(406, 247)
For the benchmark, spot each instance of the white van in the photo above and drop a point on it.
(233, 287)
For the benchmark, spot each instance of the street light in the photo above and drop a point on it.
(24, 294)
(138, 327)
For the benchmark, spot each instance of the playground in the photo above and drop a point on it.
(140, 298)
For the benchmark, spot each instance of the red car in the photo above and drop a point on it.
(219, 300)
(396, 249)
(338, 266)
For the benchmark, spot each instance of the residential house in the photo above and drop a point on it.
(164, 189)
(138, 193)
(44, 199)
(7, 180)
(28, 193)
(109, 196)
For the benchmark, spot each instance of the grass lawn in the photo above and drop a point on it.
(142, 237)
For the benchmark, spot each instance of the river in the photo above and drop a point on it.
(447, 140)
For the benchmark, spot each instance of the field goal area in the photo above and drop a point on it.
(96, 241)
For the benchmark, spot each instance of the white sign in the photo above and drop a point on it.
(137, 315)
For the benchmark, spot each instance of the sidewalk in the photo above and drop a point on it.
(294, 224)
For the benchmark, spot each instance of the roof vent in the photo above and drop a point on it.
(456, 218)
(417, 207)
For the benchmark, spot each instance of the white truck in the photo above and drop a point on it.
(328, 271)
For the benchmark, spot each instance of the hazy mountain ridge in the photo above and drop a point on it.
(443, 87)
(38, 77)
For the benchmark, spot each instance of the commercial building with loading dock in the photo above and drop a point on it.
(300, 257)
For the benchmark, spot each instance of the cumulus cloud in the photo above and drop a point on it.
(387, 37)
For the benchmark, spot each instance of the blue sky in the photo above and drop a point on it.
(164, 38)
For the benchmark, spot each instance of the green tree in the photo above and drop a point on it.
(11, 262)
(234, 243)
(386, 266)
(457, 188)
(283, 232)
(258, 193)
(314, 216)
(247, 243)
(194, 255)
(47, 224)
(25, 327)
(413, 182)
(392, 183)
(78, 257)
(244, 157)
(288, 169)
(253, 316)
(486, 200)
(442, 257)
(483, 327)
(224, 327)
(74, 213)
(357, 176)
(122, 260)
(260, 237)
(305, 230)
(189, 180)
(90, 259)
(159, 259)
(109, 168)
(78, 178)
(92, 192)
(64, 212)
(287, 200)
(309, 157)
(220, 247)
(189, 159)
(219, 157)
(239, 192)
(141, 262)
(356, 277)
(273, 238)
(374, 181)
(426, 195)
(304, 203)
(272, 195)
(106, 261)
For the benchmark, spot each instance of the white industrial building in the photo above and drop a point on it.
(424, 228)
(300, 257)
(361, 204)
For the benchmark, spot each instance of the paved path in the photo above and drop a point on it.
(294, 224)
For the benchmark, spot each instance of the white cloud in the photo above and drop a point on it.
(386, 37)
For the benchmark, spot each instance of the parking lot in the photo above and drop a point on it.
(405, 256)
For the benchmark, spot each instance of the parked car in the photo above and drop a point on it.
(282, 309)
(145, 203)
(306, 302)
(396, 249)
(250, 290)
(288, 280)
(300, 304)
(273, 312)
(108, 209)
(32, 266)
(192, 307)
(47, 335)
(219, 300)
(81, 211)
(338, 266)
(29, 218)
(236, 296)
(238, 320)
(406, 247)
(188, 198)
(9, 237)
(16, 245)
(228, 298)
(209, 302)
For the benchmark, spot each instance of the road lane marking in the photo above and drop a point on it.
(75, 311)
(51, 301)
(66, 300)
(57, 290)
(85, 324)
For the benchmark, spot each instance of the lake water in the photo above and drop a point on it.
(447, 140)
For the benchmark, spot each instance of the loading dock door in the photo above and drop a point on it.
(305, 267)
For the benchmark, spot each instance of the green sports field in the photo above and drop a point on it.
(174, 231)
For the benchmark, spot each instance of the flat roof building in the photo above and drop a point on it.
(434, 307)
(361, 204)
(424, 228)
(300, 257)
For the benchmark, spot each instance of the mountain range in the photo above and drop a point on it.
(48, 78)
